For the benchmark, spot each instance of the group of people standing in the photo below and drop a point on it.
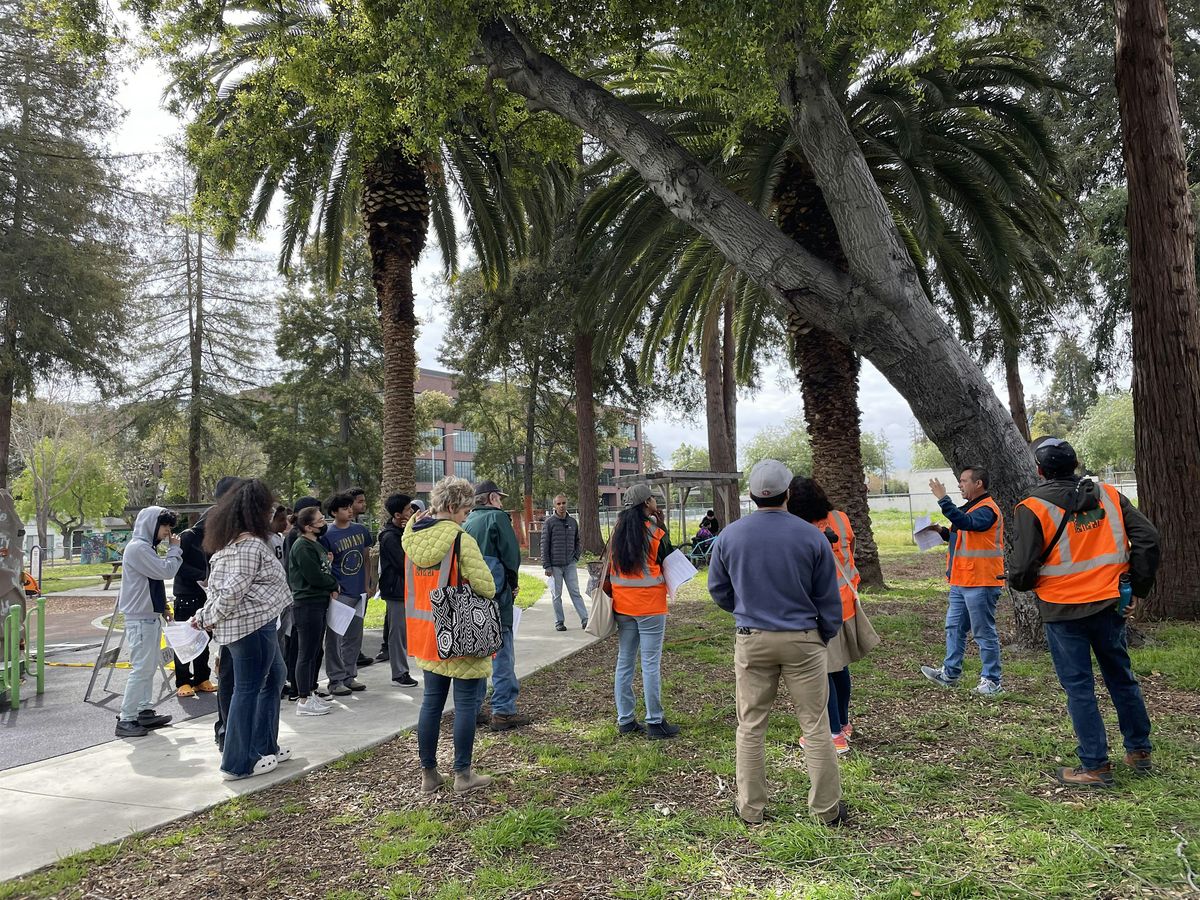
(787, 573)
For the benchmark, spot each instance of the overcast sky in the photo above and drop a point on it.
(147, 128)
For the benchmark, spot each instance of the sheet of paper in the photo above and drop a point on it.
(340, 616)
(186, 641)
(361, 609)
(926, 534)
(516, 620)
(678, 570)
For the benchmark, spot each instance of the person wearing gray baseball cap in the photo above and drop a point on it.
(776, 573)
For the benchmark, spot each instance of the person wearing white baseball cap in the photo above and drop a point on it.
(776, 573)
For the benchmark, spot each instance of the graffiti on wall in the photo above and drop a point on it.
(104, 546)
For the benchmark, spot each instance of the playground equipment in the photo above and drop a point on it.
(17, 620)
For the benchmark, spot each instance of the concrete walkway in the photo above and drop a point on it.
(90, 797)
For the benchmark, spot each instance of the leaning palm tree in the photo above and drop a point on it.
(966, 167)
(260, 134)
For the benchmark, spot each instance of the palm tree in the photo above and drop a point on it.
(966, 166)
(321, 166)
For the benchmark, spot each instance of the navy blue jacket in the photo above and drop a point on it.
(964, 518)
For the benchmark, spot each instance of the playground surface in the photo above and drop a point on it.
(78, 787)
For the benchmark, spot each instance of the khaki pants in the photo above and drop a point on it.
(760, 660)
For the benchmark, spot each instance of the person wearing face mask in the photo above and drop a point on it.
(311, 579)
(143, 603)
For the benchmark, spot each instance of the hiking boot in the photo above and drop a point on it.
(1139, 761)
(938, 676)
(470, 780)
(364, 660)
(841, 820)
(311, 706)
(560, 626)
(206, 687)
(987, 688)
(1086, 778)
(431, 780)
(634, 727)
(355, 685)
(340, 690)
(509, 722)
(148, 718)
(405, 680)
(130, 728)
(661, 731)
(186, 690)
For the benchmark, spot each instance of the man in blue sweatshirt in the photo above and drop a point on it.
(776, 574)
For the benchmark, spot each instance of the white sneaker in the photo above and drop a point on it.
(265, 764)
(312, 707)
(988, 688)
(283, 754)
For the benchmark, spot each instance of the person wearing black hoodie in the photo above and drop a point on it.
(291, 646)
(1075, 541)
(391, 586)
(188, 590)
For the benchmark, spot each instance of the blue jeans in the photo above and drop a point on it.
(252, 729)
(972, 611)
(144, 639)
(569, 575)
(1071, 647)
(639, 635)
(505, 686)
(839, 700)
(468, 692)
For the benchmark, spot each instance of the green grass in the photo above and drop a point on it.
(62, 577)
(950, 793)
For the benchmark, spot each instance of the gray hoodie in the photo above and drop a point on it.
(140, 564)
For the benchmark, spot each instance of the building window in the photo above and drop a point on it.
(606, 476)
(465, 468)
(430, 470)
(466, 442)
(628, 455)
(629, 431)
(433, 437)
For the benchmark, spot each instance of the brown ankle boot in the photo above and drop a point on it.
(470, 780)
(1086, 778)
(431, 780)
(1139, 761)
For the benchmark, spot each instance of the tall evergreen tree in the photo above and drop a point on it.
(62, 239)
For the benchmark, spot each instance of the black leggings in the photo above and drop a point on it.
(839, 700)
(308, 634)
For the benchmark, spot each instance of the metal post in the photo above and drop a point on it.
(912, 539)
(12, 654)
(41, 644)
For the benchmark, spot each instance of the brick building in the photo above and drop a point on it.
(455, 447)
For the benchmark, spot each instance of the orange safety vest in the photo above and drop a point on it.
(641, 593)
(418, 611)
(1090, 557)
(978, 559)
(843, 558)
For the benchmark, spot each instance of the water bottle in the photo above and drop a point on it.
(1125, 590)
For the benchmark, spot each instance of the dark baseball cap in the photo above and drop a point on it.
(1054, 454)
(488, 487)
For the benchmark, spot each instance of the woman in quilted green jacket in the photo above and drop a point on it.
(426, 543)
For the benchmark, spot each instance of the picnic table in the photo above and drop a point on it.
(110, 576)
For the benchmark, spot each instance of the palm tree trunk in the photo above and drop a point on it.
(1166, 309)
(827, 369)
(828, 374)
(1016, 389)
(585, 432)
(395, 208)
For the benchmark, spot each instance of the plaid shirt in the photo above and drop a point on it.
(247, 588)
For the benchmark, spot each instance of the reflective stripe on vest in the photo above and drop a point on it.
(411, 609)
(847, 571)
(646, 578)
(978, 558)
(1067, 565)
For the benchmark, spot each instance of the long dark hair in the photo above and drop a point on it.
(246, 507)
(807, 499)
(631, 539)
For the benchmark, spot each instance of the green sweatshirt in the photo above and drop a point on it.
(309, 573)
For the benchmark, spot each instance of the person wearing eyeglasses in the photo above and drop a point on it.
(1076, 541)
(560, 553)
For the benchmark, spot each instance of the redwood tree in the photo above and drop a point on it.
(1166, 311)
